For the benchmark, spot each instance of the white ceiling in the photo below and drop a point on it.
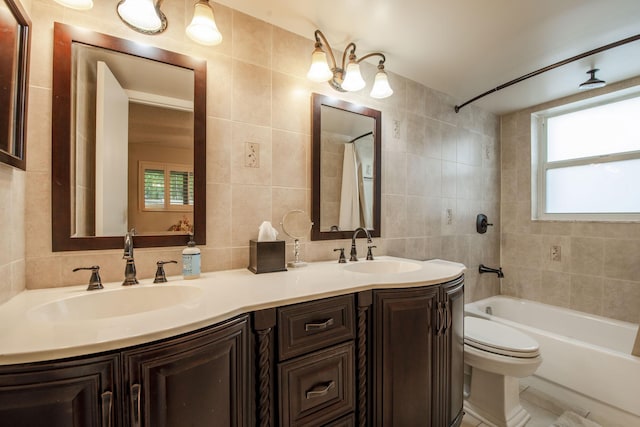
(467, 47)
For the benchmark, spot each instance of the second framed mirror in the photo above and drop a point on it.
(346, 168)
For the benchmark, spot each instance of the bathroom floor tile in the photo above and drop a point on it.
(540, 417)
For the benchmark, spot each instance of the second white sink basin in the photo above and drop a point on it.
(382, 267)
(118, 302)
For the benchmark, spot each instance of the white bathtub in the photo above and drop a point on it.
(587, 354)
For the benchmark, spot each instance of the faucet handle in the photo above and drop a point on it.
(369, 254)
(161, 277)
(95, 282)
(342, 258)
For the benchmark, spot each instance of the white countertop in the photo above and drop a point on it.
(25, 337)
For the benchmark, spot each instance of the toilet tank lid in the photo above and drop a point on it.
(497, 335)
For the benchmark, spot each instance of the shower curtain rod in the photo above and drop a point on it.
(358, 137)
(551, 67)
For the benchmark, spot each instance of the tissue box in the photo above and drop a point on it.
(267, 257)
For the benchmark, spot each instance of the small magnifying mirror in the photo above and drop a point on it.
(296, 224)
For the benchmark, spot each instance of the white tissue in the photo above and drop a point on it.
(266, 232)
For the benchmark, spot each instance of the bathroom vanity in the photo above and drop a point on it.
(326, 345)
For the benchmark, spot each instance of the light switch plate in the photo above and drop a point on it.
(252, 155)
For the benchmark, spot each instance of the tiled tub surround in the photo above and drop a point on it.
(598, 272)
(433, 159)
(27, 337)
(582, 355)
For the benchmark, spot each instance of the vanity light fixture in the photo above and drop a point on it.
(593, 82)
(76, 4)
(346, 78)
(203, 28)
(143, 16)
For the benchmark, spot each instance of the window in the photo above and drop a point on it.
(586, 158)
(165, 187)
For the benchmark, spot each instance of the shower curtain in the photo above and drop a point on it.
(349, 196)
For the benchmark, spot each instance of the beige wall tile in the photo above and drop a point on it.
(251, 40)
(290, 153)
(587, 256)
(290, 103)
(251, 94)
(621, 300)
(622, 259)
(291, 52)
(587, 293)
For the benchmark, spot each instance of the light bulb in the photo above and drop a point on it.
(319, 70)
(381, 88)
(203, 28)
(353, 80)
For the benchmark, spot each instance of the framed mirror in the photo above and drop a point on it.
(346, 168)
(15, 43)
(128, 143)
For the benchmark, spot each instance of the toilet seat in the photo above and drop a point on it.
(497, 338)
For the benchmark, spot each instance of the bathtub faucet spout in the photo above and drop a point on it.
(484, 269)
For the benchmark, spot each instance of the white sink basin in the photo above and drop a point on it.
(382, 267)
(118, 302)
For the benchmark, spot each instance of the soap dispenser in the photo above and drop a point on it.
(191, 260)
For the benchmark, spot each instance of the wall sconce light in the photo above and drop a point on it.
(346, 78)
(76, 4)
(593, 82)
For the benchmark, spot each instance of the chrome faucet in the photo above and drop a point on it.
(130, 267)
(354, 253)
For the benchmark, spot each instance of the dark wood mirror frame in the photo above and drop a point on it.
(318, 101)
(62, 240)
(16, 156)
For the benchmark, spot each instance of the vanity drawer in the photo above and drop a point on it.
(309, 326)
(317, 388)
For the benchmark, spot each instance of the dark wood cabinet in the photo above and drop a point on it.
(417, 354)
(196, 380)
(307, 376)
(76, 393)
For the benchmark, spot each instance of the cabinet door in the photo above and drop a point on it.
(196, 380)
(81, 393)
(402, 360)
(451, 354)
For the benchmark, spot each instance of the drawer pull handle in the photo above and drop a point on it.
(320, 390)
(320, 325)
(107, 405)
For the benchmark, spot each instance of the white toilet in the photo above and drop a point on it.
(498, 356)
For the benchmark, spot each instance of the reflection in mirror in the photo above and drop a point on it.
(133, 145)
(296, 224)
(346, 176)
(128, 143)
(14, 69)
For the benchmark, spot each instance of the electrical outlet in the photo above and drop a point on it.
(252, 155)
(396, 129)
(556, 253)
(449, 216)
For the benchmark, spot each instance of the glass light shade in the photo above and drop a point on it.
(381, 88)
(76, 4)
(203, 28)
(142, 15)
(353, 80)
(319, 71)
